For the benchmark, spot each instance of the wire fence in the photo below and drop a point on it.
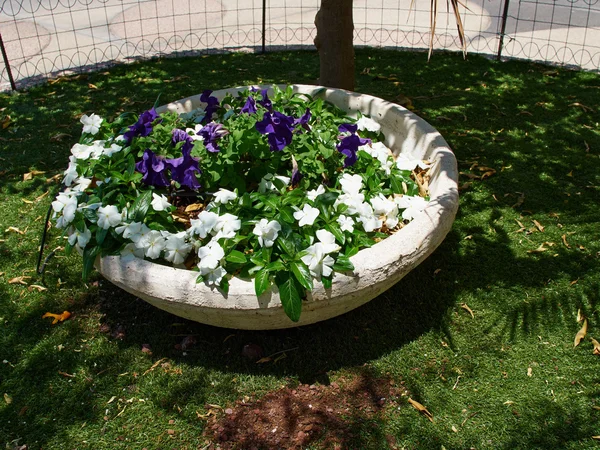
(41, 39)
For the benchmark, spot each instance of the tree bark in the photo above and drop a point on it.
(335, 33)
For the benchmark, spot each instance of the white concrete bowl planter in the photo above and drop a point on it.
(376, 269)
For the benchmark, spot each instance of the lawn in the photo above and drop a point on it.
(481, 334)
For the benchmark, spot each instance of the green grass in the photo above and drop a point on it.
(530, 123)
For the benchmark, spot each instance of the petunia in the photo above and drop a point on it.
(267, 232)
(349, 144)
(212, 104)
(184, 169)
(153, 168)
(266, 101)
(249, 107)
(303, 121)
(278, 127)
(210, 133)
(143, 127)
(159, 202)
(296, 175)
(91, 124)
(178, 135)
(108, 216)
(306, 216)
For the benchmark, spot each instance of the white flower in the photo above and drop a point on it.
(66, 204)
(131, 252)
(387, 208)
(176, 249)
(223, 196)
(351, 184)
(81, 238)
(71, 172)
(129, 229)
(313, 194)
(267, 232)
(154, 244)
(138, 236)
(366, 123)
(266, 183)
(108, 216)
(114, 148)
(204, 224)
(346, 223)
(159, 202)
(82, 184)
(368, 219)
(307, 215)
(91, 124)
(213, 277)
(97, 149)
(193, 132)
(328, 241)
(413, 206)
(352, 201)
(81, 151)
(226, 226)
(210, 257)
(404, 162)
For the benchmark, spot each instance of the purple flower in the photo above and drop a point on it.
(250, 106)
(303, 121)
(266, 101)
(181, 136)
(212, 104)
(143, 127)
(278, 127)
(296, 175)
(153, 167)
(210, 133)
(349, 144)
(184, 169)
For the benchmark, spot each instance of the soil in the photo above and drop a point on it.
(323, 416)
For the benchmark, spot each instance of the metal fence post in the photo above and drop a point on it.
(503, 29)
(7, 64)
(264, 24)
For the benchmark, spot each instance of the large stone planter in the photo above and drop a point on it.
(376, 269)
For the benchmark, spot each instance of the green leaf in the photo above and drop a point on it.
(261, 281)
(235, 256)
(326, 282)
(334, 229)
(224, 285)
(290, 295)
(287, 214)
(343, 264)
(89, 258)
(302, 274)
(140, 206)
(286, 245)
(90, 215)
(100, 235)
(275, 266)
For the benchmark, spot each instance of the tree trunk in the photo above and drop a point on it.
(335, 32)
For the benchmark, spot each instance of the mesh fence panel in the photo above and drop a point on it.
(44, 38)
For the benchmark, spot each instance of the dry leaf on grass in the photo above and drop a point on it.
(14, 230)
(529, 371)
(469, 310)
(580, 316)
(33, 173)
(19, 280)
(596, 345)
(581, 333)
(57, 317)
(7, 398)
(37, 287)
(538, 225)
(564, 239)
(29, 202)
(421, 409)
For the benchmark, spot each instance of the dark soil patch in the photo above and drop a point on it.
(332, 416)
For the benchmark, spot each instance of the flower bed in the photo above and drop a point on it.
(277, 202)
